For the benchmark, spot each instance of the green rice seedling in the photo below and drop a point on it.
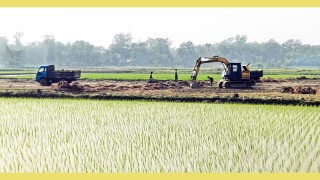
(64, 135)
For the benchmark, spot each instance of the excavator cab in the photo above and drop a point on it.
(234, 72)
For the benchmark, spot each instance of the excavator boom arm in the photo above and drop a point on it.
(204, 60)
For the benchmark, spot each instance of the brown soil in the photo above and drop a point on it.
(290, 89)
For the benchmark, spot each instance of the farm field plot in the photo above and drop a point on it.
(266, 89)
(131, 73)
(61, 135)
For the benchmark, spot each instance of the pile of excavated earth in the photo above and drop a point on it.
(77, 87)
(299, 90)
(104, 86)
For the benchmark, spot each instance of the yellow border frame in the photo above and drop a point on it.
(162, 3)
(159, 3)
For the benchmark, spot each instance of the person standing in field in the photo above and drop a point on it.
(176, 75)
(211, 80)
(151, 75)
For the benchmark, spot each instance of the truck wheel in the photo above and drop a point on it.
(253, 82)
(220, 84)
(43, 82)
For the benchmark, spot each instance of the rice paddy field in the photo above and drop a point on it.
(64, 135)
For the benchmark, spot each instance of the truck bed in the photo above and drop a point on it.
(64, 74)
(256, 75)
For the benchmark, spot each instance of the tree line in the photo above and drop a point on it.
(157, 52)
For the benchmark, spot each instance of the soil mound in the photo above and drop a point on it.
(269, 80)
(69, 87)
(302, 78)
(298, 90)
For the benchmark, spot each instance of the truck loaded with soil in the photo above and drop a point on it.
(47, 75)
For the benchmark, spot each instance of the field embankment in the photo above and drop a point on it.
(299, 91)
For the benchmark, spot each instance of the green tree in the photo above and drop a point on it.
(140, 54)
(61, 54)
(186, 54)
(159, 50)
(241, 49)
(34, 54)
(120, 48)
(3, 45)
(272, 53)
(49, 49)
(81, 53)
(15, 54)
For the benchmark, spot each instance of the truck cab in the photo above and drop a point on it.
(42, 73)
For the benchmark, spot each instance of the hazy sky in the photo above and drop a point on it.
(199, 25)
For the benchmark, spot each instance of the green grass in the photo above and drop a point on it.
(17, 77)
(299, 71)
(126, 76)
(16, 72)
(55, 135)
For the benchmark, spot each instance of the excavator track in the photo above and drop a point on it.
(235, 84)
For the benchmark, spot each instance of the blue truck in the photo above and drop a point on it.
(47, 75)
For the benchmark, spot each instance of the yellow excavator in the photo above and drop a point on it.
(234, 75)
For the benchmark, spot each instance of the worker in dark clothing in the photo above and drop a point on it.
(211, 80)
(151, 75)
(175, 75)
